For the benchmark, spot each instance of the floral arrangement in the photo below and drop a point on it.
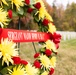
(45, 59)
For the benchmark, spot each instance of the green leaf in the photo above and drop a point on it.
(21, 11)
(36, 18)
(14, 14)
(4, 71)
(42, 50)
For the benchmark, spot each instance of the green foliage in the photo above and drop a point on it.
(4, 71)
(70, 16)
(57, 15)
(54, 15)
(65, 19)
(21, 11)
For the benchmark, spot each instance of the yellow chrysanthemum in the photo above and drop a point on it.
(18, 3)
(3, 18)
(7, 48)
(45, 73)
(50, 45)
(30, 70)
(0, 54)
(48, 16)
(3, 1)
(53, 61)
(42, 10)
(52, 28)
(42, 13)
(45, 61)
(17, 71)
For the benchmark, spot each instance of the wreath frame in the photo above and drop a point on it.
(45, 59)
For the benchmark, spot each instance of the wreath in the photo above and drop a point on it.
(45, 59)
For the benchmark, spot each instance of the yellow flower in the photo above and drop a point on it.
(45, 73)
(50, 45)
(41, 13)
(45, 61)
(42, 10)
(3, 1)
(0, 54)
(7, 48)
(53, 61)
(18, 3)
(3, 18)
(30, 70)
(52, 28)
(17, 71)
(48, 16)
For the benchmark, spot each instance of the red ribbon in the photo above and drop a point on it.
(23, 36)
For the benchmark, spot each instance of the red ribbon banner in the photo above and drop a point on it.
(23, 36)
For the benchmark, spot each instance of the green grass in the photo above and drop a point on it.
(69, 44)
(66, 58)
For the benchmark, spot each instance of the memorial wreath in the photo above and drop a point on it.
(45, 59)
